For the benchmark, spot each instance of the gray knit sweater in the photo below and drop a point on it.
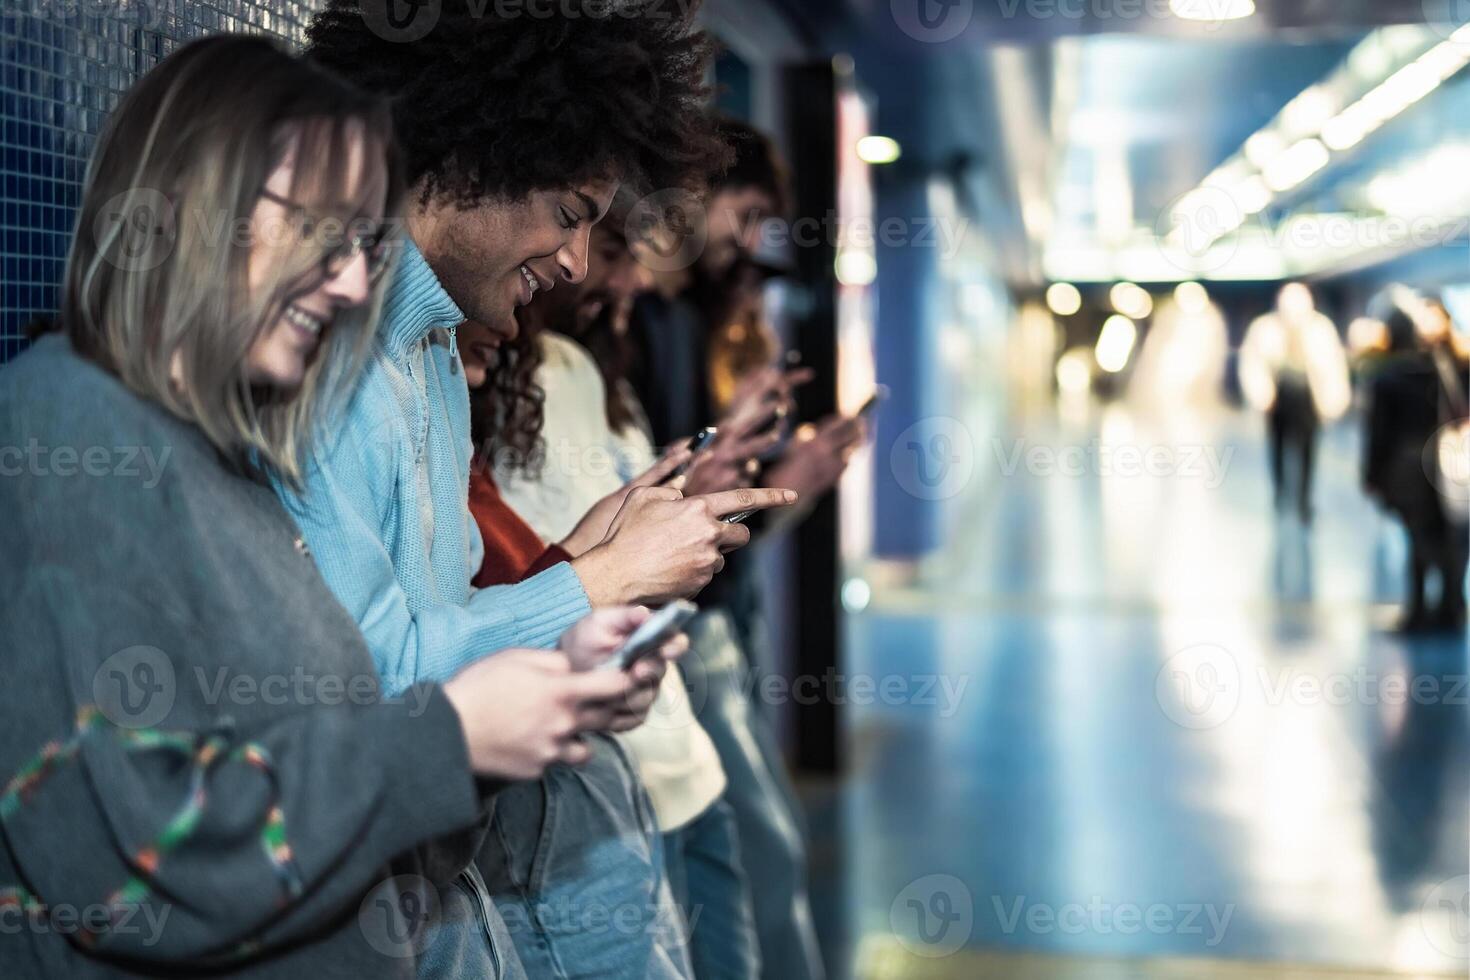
(199, 776)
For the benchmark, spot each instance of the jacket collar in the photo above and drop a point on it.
(416, 303)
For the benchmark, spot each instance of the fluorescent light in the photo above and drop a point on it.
(1306, 114)
(1212, 10)
(1074, 372)
(1398, 92)
(1253, 195)
(1063, 298)
(1263, 147)
(1343, 132)
(1293, 167)
(855, 267)
(1115, 343)
(1131, 300)
(1192, 297)
(878, 150)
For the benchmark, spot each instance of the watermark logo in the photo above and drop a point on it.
(1189, 227)
(1199, 687)
(1445, 916)
(400, 21)
(1445, 17)
(933, 916)
(1447, 463)
(136, 230)
(135, 687)
(397, 916)
(669, 228)
(1099, 917)
(933, 21)
(1207, 464)
(933, 459)
(676, 706)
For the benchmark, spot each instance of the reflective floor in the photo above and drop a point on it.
(1136, 722)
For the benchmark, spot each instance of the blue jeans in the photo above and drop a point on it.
(459, 946)
(575, 866)
(772, 849)
(711, 890)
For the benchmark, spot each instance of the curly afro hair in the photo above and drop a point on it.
(497, 101)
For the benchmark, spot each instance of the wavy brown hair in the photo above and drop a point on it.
(508, 411)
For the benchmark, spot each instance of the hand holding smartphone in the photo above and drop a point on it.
(880, 392)
(649, 638)
(698, 443)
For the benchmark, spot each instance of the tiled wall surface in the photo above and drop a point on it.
(63, 66)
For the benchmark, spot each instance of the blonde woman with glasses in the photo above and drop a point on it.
(199, 774)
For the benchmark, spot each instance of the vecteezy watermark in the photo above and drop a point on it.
(671, 229)
(96, 921)
(399, 915)
(933, 459)
(1193, 223)
(299, 686)
(1445, 917)
(405, 21)
(1203, 230)
(125, 462)
(138, 229)
(941, 691)
(1199, 687)
(933, 916)
(1445, 17)
(1119, 14)
(566, 915)
(1202, 686)
(1446, 461)
(932, 21)
(1205, 463)
(1098, 917)
(137, 688)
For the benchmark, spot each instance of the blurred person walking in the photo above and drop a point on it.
(1294, 369)
(1413, 390)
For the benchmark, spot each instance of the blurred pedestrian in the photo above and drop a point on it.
(1293, 368)
(1412, 390)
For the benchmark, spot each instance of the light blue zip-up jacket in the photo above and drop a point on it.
(385, 505)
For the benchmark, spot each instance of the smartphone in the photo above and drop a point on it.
(879, 393)
(647, 639)
(703, 438)
(697, 443)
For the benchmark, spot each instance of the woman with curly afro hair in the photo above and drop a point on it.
(518, 123)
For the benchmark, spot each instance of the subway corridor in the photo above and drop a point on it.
(1167, 733)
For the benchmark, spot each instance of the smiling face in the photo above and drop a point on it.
(280, 354)
(496, 256)
(615, 278)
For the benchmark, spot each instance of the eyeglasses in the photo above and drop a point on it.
(374, 245)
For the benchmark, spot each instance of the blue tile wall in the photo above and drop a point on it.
(63, 66)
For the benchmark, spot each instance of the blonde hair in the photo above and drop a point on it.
(158, 274)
